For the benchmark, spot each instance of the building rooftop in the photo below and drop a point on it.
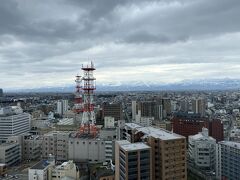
(40, 165)
(159, 133)
(134, 146)
(132, 125)
(199, 136)
(231, 144)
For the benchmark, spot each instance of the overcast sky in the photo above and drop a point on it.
(44, 43)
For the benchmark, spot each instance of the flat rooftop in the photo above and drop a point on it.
(231, 144)
(155, 132)
(40, 165)
(132, 125)
(159, 133)
(134, 146)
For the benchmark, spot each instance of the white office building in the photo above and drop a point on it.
(201, 150)
(13, 122)
(62, 107)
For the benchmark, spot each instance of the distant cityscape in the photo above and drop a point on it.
(119, 135)
(120, 90)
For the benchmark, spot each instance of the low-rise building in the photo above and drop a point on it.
(86, 148)
(65, 170)
(56, 143)
(39, 171)
(10, 153)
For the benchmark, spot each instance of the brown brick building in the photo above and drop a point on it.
(191, 124)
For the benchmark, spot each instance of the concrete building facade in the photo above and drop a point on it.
(86, 148)
(10, 153)
(201, 150)
(56, 143)
(13, 122)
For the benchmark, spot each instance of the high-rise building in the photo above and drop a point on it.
(143, 121)
(1, 93)
(13, 122)
(113, 110)
(167, 108)
(201, 150)
(168, 150)
(184, 105)
(134, 110)
(228, 158)
(199, 106)
(62, 107)
(133, 161)
(150, 109)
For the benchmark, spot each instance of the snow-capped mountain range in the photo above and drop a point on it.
(201, 84)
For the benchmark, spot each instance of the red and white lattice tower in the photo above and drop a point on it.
(78, 95)
(88, 117)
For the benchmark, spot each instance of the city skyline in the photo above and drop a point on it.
(45, 43)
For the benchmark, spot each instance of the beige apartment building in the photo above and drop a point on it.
(168, 150)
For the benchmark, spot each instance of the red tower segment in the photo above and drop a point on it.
(88, 118)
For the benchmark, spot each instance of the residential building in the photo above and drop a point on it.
(167, 108)
(133, 161)
(168, 150)
(134, 110)
(199, 106)
(228, 158)
(62, 107)
(31, 147)
(143, 121)
(184, 105)
(56, 143)
(201, 150)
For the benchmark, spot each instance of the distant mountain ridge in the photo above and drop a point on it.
(210, 84)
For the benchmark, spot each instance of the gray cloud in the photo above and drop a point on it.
(48, 38)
